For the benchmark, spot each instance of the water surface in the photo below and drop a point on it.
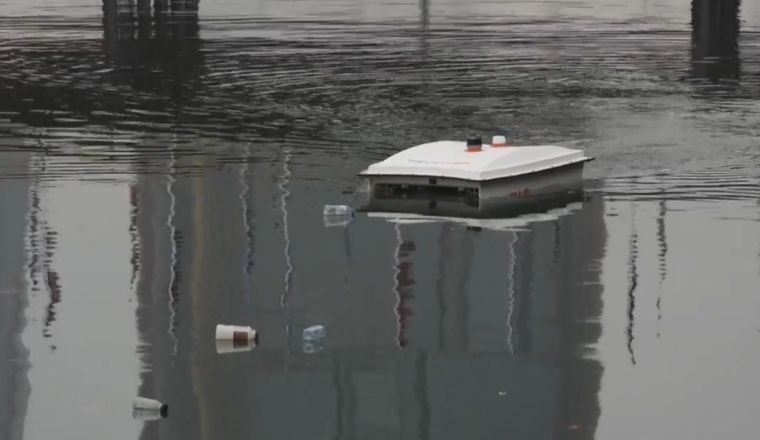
(160, 175)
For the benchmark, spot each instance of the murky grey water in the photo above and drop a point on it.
(158, 177)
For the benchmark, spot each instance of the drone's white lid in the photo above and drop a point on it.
(451, 159)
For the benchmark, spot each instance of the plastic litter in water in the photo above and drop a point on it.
(335, 220)
(146, 415)
(148, 409)
(314, 339)
(311, 347)
(224, 346)
(314, 333)
(338, 211)
(238, 333)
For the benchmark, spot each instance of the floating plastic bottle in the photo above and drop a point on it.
(338, 211)
(148, 409)
(313, 347)
(238, 333)
(314, 333)
(314, 338)
(337, 221)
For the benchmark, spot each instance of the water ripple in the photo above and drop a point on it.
(112, 99)
(727, 182)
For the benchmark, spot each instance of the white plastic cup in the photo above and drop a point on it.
(236, 333)
(145, 408)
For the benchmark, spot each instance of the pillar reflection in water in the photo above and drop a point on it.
(455, 265)
(14, 227)
(715, 33)
(158, 45)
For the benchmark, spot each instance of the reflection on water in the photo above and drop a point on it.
(662, 254)
(156, 49)
(633, 283)
(41, 243)
(715, 33)
(14, 385)
(165, 167)
(493, 211)
(404, 280)
(445, 344)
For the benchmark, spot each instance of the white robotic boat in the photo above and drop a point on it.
(480, 171)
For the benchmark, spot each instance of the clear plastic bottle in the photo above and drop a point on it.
(338, 211)
(314, 339)
(314, 333)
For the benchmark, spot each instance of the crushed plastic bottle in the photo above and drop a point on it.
(314, 339)
(332, 221)
(313, 347)
(314, 333)
(338, 211)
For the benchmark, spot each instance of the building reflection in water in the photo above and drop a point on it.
(458, 375)
(14, 228)
(715, 35)
(488, 332)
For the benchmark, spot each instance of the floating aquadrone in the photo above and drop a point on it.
(480, 171)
